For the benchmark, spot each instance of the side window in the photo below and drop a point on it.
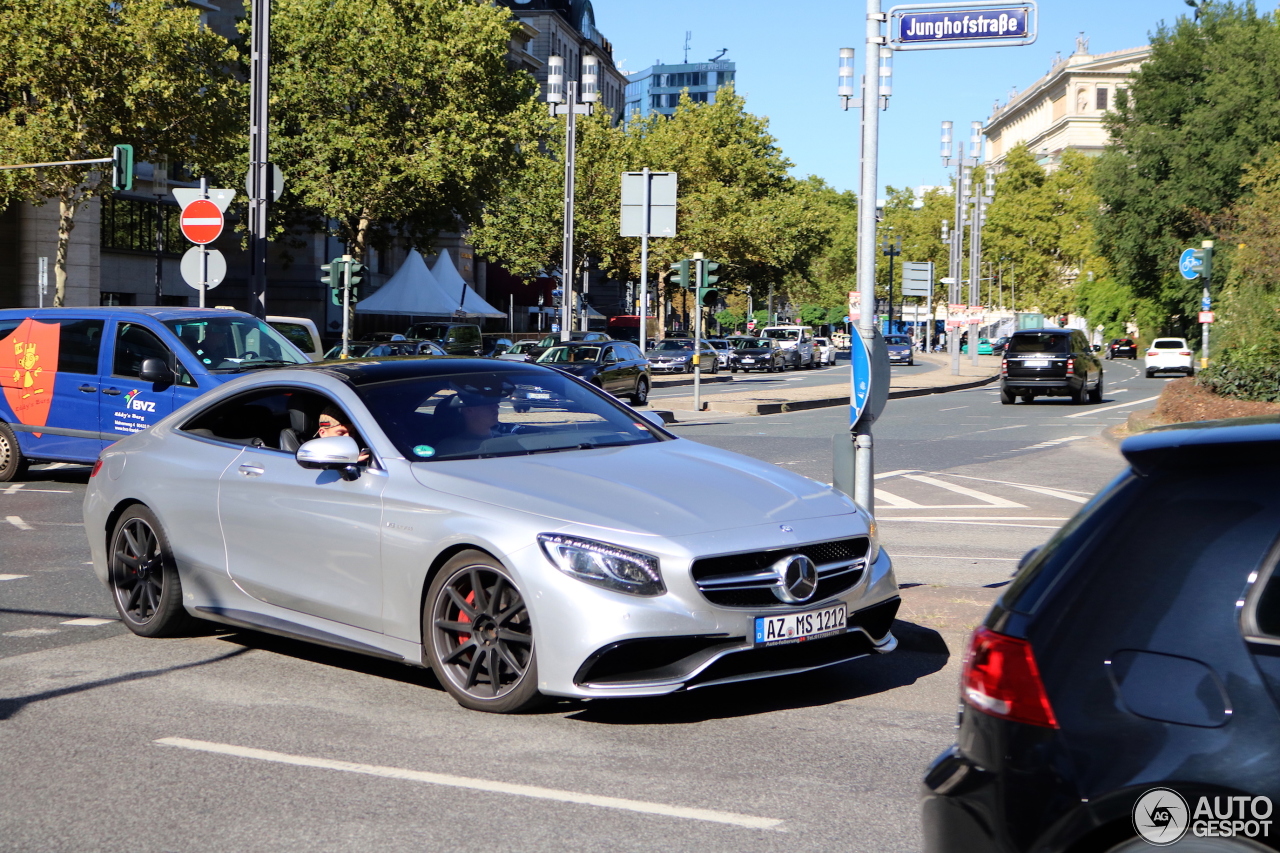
(612, 355)
(468, 335)
(265, 418)
(134, 344)
(297, 335)
(79, 343)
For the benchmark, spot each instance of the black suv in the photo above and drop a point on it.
(1125, 689)
(1050, 363)
(1122, 348)
(456, 338)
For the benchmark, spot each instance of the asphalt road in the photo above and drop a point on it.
(240, 741)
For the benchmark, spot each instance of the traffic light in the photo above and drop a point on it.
(122, 167)
(680, 274)
(355, 277)
(556, 296)
(1205, 257)
(331, 277)
(708, 296)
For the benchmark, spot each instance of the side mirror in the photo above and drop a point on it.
(653, 418)
(338, 452)
(155, 371)
(1097, 347)
(1027, 558)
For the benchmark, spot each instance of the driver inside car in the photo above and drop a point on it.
(468, 418)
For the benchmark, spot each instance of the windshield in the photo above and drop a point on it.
(569, 355)
(783, 334)
(499, 413)
(750, 343)
(679, 346)
(897, 340)
(1039, 343)
(429, 331)
(522, 348)
(718, 344)
(235, 343)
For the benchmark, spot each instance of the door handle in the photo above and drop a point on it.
(252, 470)
(88, 389)
(111, 392)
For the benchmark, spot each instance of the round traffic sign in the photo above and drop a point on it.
(201, 221)
(1189, 264)
(215, 268)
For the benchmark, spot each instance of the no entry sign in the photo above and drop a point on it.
(201, 221)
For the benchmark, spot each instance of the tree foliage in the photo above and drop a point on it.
(396, 116)
(79, 78)
(1198, 111)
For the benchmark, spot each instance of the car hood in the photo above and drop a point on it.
(659, 353)
(670, 488)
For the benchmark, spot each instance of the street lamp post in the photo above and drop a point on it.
(892, 248)
(964, 177)
(562, 95)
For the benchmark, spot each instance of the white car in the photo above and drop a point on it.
(824, 351)
(302, 333)
(797, 338)
(1169, 355)
(723, 350)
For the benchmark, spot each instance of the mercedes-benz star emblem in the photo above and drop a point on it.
(797, 579)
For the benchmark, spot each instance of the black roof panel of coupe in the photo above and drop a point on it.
(357, 372)
(1240, 441)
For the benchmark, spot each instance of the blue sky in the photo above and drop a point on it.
(786, 54)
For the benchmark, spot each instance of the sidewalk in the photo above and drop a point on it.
(783, 398)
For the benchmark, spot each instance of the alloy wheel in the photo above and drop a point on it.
(481, 632)
(137, 571)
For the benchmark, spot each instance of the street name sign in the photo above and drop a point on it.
(917, 278)
(1189, 265)
(934, 26)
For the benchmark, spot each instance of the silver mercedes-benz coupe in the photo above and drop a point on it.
(404, 508)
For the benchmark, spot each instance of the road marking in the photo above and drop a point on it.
(18, 522)
(30, 632)
(953, 408)
(887, 474)
(1044, 444)
(981, 523)
(953, 557)
(1065, 494)
(1116, 406)
(748, 821)
(16, 487)
(989, 500)
(89, 621)
(12, 577)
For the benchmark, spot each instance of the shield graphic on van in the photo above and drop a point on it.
(28, 366)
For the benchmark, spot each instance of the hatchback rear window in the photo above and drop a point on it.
(1040, 343)
(1170, 345)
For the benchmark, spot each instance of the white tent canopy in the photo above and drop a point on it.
(415, 291)
(454, 285)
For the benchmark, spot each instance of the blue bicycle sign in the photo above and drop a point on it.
(1189, 265)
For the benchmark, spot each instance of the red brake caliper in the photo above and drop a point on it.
(464, 618)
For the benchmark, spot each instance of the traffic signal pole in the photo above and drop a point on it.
(699, 272)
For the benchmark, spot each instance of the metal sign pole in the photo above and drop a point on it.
(566, 263)
(699, 272)
(644, 261)
(975, 273)
(863, 455)
(346, 306)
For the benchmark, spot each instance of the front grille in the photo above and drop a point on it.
(744, 580)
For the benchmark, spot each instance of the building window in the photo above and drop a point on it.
(115, 300)
(129, 224)
(727, 77)
(1102, 98)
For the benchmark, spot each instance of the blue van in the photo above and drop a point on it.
(74, 380)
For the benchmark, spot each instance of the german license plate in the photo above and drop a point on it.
(799, 627)
(538, 396)
(748, 361)
(1035, 362)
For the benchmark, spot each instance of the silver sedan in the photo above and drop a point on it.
(406, 509)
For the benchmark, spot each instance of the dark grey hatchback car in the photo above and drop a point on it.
(1124, 691)
(1050, 363)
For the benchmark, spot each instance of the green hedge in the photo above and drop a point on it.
(1246, 373)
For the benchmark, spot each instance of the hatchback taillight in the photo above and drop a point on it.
(1184, 352)
(1004, 367)
(1071, 365)
(1000, 678)
(1153, 352)
(96, 466)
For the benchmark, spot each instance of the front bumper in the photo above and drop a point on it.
(597, 643)
(668, 366)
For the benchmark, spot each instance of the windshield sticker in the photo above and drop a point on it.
(28, 367)
(426, 451)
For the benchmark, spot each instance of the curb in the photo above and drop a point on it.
(748, 408)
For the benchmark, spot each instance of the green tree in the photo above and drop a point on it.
(79, 78)
(1197, 112)
(396, 116)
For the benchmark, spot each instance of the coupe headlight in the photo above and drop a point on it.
(603, 565)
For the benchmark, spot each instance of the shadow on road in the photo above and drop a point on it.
(10, 707)
(71, 474)
(301, 650)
